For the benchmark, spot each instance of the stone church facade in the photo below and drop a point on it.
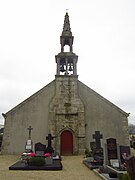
(66, 108)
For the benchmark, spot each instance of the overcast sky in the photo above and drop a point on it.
(104, 40)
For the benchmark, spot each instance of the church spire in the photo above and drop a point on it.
(66, 36)
(66, 61)
(66, 27)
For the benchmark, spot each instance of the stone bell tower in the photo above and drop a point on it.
(66, 115)
(66, 61)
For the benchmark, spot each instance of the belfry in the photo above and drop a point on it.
(66, 61)
(67, 109)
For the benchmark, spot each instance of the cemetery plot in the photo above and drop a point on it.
(113, 165)
(44, 158)
(117, 155)
(97, 152)
(117, 159)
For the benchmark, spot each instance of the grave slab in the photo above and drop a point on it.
(56, 165)
(91, 165)
(104, 176)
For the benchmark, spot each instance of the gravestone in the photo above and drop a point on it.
(97, 136)
(49, 148)
(40, 149)
(112, 153)
(97, 149)
(131, 167)
(96, 161)
(112, 148)
(124, 153)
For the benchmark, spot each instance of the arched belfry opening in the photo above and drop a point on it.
(66, 60)
(66, 48)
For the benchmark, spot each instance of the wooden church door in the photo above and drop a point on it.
(66, 143)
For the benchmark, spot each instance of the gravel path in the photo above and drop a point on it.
(73, 169)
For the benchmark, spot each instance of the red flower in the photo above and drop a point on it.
(31, 154)
(47, 154)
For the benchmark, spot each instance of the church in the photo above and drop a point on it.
(66, 108)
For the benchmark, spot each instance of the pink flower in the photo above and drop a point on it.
(47, 154)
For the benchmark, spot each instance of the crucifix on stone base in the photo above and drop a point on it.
(30, 129)
(49, 138)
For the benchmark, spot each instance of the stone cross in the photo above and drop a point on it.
(97, 136)
(49, 138)
(30, 129)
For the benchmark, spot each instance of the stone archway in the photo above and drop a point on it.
(66, 143)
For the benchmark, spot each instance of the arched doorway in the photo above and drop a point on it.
(66, 143)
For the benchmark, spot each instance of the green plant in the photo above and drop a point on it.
(36, 161)
(87, 153)
(125, 176)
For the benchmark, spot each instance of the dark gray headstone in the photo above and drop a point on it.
(49, 138)
(112, 148)
(97, 150)
(97, 136)
(40, 149)
(49, 148)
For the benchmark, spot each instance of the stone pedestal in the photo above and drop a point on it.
(29, 146)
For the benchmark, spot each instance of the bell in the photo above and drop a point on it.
(70, 68)
(62, 68)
